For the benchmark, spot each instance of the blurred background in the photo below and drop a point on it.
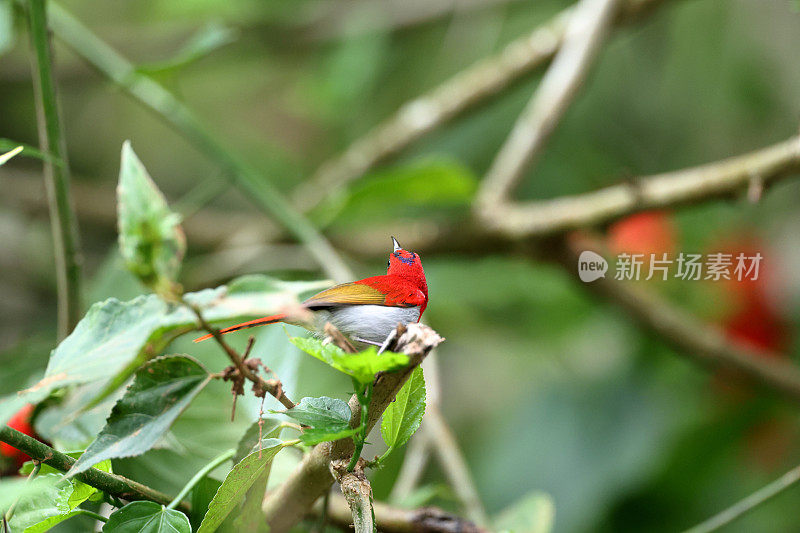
(547, 388)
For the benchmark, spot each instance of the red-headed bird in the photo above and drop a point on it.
(366, 310)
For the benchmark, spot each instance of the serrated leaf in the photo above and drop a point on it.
(115, 338)
(8, 155)
(55, 500)
(237, 483)
(160, 391)
(270, 429)
(147, 517)
(321, 413)
(151, 240)
(361, 366)
(314, 436)
(404, 415)
(328, 418)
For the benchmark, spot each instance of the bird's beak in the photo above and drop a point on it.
(396, 245)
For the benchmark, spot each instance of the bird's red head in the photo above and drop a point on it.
(406, 265)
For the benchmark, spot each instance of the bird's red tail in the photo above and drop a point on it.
(244, 325)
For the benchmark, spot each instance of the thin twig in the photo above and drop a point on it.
(748, 504)
(62, 218)
(114, 484)
(272, 386)
(586, 30)
(214, 463)
(153, 95)
(456, 470)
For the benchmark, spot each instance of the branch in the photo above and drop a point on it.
(284, 507)
(453, 464)
(748, 504)
(483, 80)
(113, 484)
(358, 494)
(698, 342)
(56, 177)
(158, 99)
(682, 187)
(391, 519)
(586, 30)
(260, 385)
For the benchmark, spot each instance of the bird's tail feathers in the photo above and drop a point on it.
(244, 325)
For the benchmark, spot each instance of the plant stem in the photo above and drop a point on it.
(92, 514)
(62, 218)
(364, 395)
(114, 484)
(748, 504)
(154, 96)
(218, 460)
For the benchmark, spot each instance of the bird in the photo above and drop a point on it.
(367, 311)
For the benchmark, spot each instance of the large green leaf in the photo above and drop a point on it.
(150, 237)
(237, 483)
(200, 498)
(115, 338)
(404, 415)
(55, 500)
(147, 517)
(361, 366)
(328, 418)
(160, 391)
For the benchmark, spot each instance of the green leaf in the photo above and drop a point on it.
(55, 500)
(150, 237)
(533, 513)
(115, 338)
(207, 39)
(329, 419)
(313, 436)
(200, 498)
(237, 483)
(270, 429)
(8, 155)
(404, 415)
(160, 391)
(361, 366)
(321, 413)
(412, 189)
(147, 517)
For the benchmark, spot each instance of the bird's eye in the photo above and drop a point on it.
(388, 264)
